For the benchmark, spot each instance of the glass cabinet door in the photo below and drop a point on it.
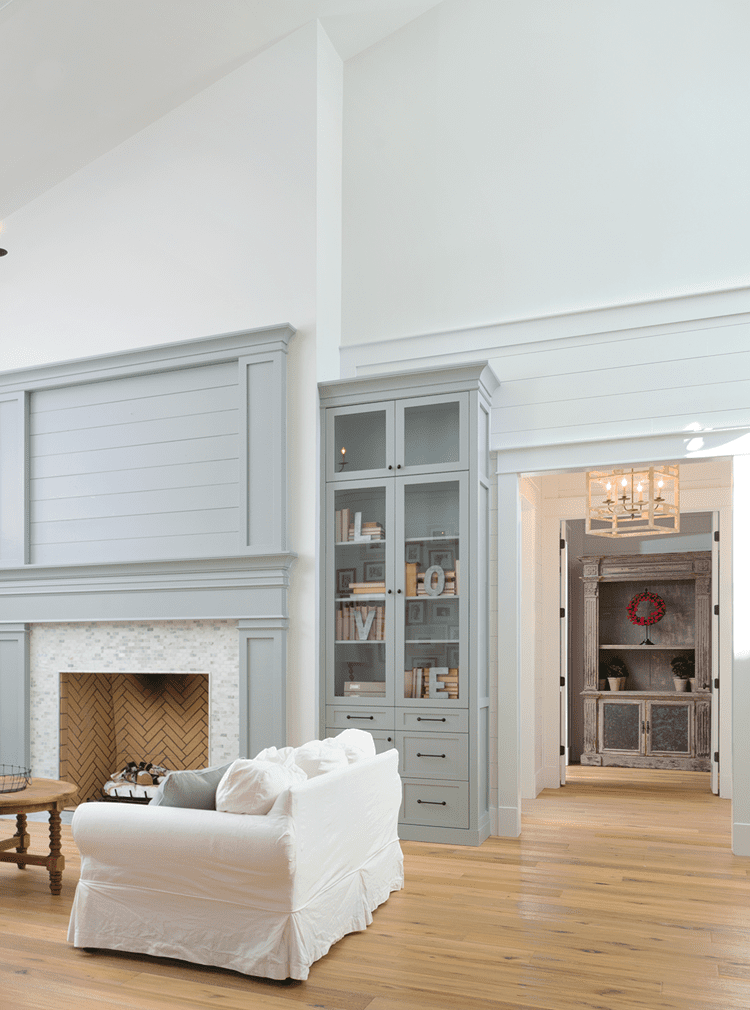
(431, 616)
(360, 442)
(359, 581)
(432, 434)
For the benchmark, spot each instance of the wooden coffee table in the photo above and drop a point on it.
(41, 794)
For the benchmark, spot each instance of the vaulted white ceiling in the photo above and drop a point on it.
(78, 77)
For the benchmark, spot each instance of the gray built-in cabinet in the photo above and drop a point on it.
(404, 583)
(649, 724)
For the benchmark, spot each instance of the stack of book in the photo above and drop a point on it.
(348, 627)
(434, 682)
(415, 581)
(345, 530)
(364, 688)
(414, 683)
(366, 587)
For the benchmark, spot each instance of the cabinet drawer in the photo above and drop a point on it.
(437, 720)
(442, 804)
(345, 716)
(434, 756)
(385, 739)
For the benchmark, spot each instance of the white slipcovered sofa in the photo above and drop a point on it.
(264, 894)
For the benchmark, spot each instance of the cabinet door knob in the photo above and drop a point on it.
(390, 467)
(398, 591)
(390, 591)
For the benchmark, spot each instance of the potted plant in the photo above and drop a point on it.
(682, 671)
(617, 674)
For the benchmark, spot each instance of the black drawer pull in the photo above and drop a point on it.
(430, 755)
(425, 718)
(434, 803)
(360, 717)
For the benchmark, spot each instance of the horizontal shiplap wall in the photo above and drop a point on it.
(136, 468)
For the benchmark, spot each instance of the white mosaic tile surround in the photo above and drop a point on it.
(210, 647)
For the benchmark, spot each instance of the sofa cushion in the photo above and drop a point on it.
(320, 756)
(251, 786)
(193, 788)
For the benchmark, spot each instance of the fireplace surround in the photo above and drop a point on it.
(143, 530)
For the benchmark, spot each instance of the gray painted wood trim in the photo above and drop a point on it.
(157, 358)
(15, 706)
(14, 495)
(262, 651)
(262, 454)
(425, 381)
(216, 588)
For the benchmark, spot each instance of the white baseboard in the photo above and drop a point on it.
(505, 822)
(741, 839)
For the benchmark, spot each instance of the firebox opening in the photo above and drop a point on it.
(109, 720)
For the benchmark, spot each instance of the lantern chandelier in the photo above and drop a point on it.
(639, 502)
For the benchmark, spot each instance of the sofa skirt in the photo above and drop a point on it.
(238, 935)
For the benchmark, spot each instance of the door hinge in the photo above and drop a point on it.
(716, 609)
(716, 683)
(716, 756)
(562, 750)
(716, 536)
(562, 681)
(562, 544)
(562, 611)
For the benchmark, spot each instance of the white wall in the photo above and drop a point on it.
(514, 158)
(221, 216)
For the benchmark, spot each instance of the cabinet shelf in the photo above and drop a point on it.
(360, 596)
(422, 540)
(650, 648)
(432, 641)
(359, 543)
(359, 641)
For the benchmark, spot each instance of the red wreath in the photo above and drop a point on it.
(656, 614)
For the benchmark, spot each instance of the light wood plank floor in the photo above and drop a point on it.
(621, 894)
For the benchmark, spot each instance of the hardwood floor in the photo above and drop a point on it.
(621, 894)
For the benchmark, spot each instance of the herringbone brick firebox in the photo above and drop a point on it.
(107, 720)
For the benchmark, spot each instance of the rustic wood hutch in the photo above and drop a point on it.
(649, 724)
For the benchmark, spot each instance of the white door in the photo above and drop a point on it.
(563, 650)
(715, 672)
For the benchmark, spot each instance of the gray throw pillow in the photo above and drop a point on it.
(196, 789)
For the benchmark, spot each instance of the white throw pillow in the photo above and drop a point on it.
(252, 786)
(319, 756)
(283, 756)
(356, 744)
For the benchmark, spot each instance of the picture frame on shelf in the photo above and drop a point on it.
(344, 576)
(415, 613)
(453, 633)
(422, 662)
(413, 554)
(443, 558)
(444, 612)
(439, 533)
(452, 654)
(374, 571)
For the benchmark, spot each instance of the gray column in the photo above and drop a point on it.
(262, 683)
(14, 695)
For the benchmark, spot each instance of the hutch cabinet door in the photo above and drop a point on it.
(360, 442)
(621, 725)
(431, 606)
(670, 728)
(359, 592)
(432, 434)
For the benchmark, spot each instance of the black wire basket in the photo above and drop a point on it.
(13, 778)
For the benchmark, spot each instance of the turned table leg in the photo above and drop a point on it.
(56, 861)
(23, 840)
